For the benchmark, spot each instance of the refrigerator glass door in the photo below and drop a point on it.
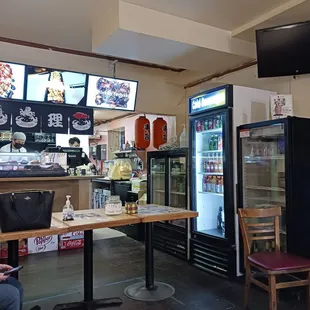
(158, 172)
(208, 176)
(263, 163)
(178, 186)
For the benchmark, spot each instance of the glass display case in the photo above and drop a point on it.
(157, 180)
(168, 185)
(274, 171)
(209, 176)
(27, 165)
(263, 163)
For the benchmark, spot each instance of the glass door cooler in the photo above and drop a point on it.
(274, 171)
(213, 233)
(167, 185)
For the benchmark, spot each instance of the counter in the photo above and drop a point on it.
(79, 188)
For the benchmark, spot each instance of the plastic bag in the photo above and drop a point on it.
(125, 170)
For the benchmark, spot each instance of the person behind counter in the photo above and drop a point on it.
(75, 142)
(17, 144)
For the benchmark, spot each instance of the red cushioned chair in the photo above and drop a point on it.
(263, 225)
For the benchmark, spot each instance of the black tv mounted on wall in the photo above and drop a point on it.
(283, 50)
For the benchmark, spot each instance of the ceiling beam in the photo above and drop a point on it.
(89, 54)
(220, 74)
(264, 17)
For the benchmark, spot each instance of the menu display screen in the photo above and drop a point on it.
(55, 86)
(12, 80)
(110, 93)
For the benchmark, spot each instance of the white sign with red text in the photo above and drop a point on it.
(42, 244)
(72, 236)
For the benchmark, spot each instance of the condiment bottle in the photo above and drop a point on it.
(68, 211)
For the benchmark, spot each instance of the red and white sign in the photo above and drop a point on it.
(72, 236)
(22, 249)
(70, 244)
(42, 244)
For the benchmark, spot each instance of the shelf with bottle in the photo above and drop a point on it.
(212, 164)
(211, 124)
(279, 200)
(266, 150)
(213, 184)
(265, 188)
(211, 193)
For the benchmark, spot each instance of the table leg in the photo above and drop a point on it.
(13, 255)
(149, 290)
(89, 302)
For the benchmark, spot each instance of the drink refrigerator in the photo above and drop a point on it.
(274, 170)
(213, 117)
(167, 185)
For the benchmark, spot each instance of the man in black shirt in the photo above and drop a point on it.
(75, 142)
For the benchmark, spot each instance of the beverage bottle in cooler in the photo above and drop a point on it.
(202, 165)
(220, 142)
(222, 185)
(204, 184)
(220, 161)
(210, 124)
(215, 122)
(219, 219)
(208, 164)
(205, 125)
(215, 142)
(211, 163)
(211, 143)
(218, 185)
(213, 184)
(208, 184)
(216, 163)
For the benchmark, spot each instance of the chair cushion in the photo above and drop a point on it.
(278, 261)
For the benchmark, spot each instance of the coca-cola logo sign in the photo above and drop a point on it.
(42, 241)
(74, 243)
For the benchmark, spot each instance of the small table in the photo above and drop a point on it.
(151, 290)
(87, 221)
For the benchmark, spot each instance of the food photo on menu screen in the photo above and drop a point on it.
(12, 80)
(55, 86)
(109, 93)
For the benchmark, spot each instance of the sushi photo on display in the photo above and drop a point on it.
(110, 93)
(12, 80)
(55, 86)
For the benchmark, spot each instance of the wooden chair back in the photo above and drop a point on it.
(252, 229)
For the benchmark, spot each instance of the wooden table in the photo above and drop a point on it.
(94, 219)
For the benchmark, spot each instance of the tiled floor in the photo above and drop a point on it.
(52, 278)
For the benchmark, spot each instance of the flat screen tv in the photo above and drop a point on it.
(110, 93)
(283, 50)
(55, 86)
(12, 80)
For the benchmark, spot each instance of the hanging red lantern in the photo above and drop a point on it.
(159, 132)
(142, 132)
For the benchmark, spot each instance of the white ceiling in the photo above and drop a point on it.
(296, 14)
(224, 14)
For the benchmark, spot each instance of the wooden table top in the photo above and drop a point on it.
(95, 218)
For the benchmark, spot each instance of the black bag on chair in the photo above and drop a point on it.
(26, 210)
